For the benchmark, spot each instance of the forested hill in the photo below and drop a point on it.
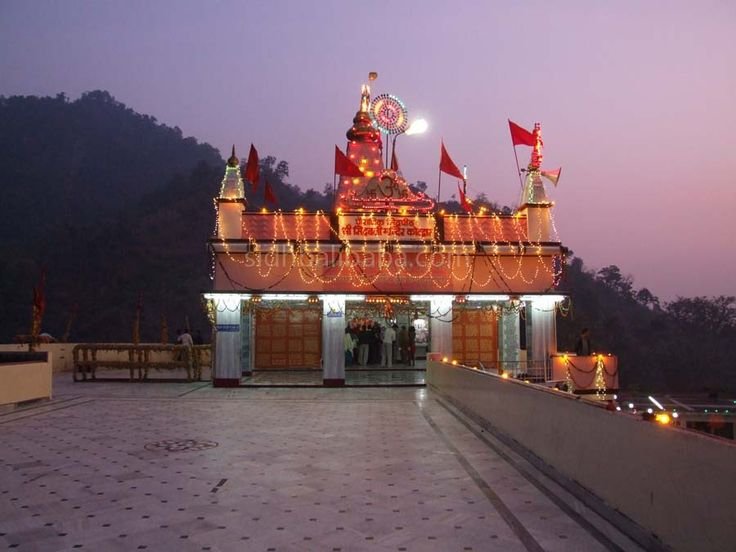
(688, 344)
(63, 161)
(113, 206)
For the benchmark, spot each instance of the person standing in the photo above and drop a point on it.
(584, 346)
(412, 345)
(349, 344)
(364, 343)
(403, 345)
(185, 338)
(389, 336)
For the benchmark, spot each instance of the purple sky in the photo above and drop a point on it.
(636, 100)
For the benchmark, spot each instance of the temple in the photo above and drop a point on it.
(478, 288)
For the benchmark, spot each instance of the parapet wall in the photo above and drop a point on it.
(60, 353)
(678, 484)
(25, 379)
(62, 358)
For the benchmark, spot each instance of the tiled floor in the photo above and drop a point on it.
(369, 376)
(185, 467)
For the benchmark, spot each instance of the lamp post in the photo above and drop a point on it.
(417, 126)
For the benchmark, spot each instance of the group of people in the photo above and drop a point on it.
(368, 342)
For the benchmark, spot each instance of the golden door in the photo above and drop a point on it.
(288, 338)
(475, 336)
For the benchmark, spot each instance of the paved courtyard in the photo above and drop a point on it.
(185, 467)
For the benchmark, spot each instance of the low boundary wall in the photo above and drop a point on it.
(678, 484)
(24, 379)
(60, 353)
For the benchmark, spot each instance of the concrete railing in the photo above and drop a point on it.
(677, 484)
(137, 360)
(60, 353)
(24, 377)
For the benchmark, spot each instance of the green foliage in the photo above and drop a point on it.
(79, 161)
(113, 205)
(686, 346)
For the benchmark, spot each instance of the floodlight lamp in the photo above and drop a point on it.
(417, 126)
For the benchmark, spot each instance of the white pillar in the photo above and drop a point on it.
(544, 332)
(440, 324)
(227, 341)
(333, 339)
(509, 345)
(246, 342)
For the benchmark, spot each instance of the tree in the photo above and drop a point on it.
(611, 276)
(715, 315)
(646, 298)
(418, 186)
(282, 170)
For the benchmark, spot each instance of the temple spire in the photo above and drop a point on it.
(232, 186)
(363, 129)
(365, 98)
(533, 191)
(233, 161)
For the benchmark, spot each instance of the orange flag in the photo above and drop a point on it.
(269, 196)
(552, 176)
(344, 166)
(464, 201)
(251, 168)
(520, 136)
(448, 166)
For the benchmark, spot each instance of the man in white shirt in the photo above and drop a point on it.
(389, 336)
(185, 339)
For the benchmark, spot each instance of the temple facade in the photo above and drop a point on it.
(479, 288)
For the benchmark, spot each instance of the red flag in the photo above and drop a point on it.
(448, 166)
(270, 197)
(552, 176)
(520, 136)
(394, 162)
(464, 202)
(39, 295)
(344, 166)
(251, 168)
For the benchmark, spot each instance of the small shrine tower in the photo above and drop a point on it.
(231, 202)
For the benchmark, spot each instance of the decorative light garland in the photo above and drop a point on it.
(301, 251)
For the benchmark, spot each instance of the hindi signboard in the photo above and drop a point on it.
(373, 227)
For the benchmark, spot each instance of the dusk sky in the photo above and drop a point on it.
(636, 100)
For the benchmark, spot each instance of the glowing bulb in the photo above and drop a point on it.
(663, 418)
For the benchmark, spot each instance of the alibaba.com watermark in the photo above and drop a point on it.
(356, 259)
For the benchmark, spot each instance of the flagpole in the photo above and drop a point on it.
(518, 168)
(385, 165)
(439, 186)
(334, 188)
